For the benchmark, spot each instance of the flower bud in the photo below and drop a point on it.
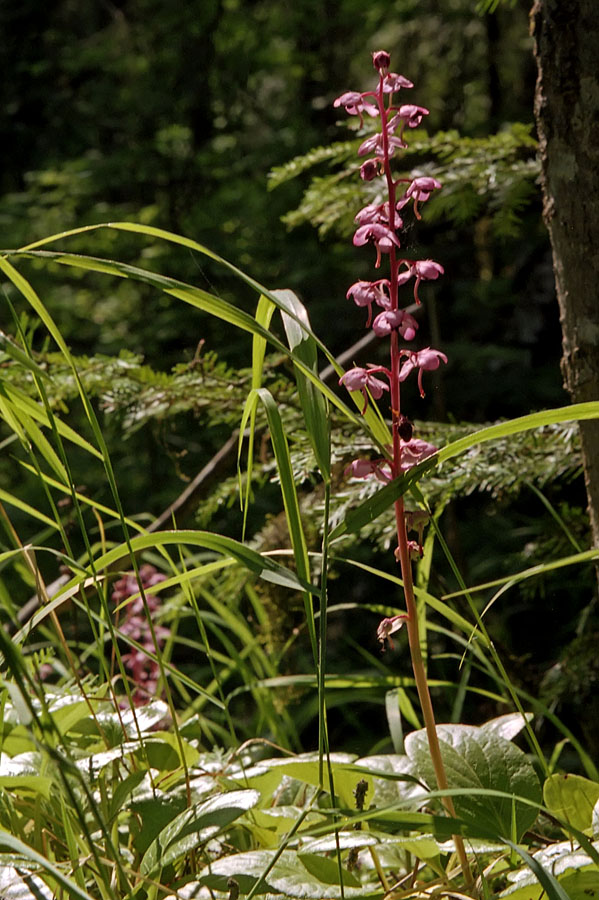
(381, 60)
(405, 428)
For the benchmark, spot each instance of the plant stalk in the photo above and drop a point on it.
(420, 678)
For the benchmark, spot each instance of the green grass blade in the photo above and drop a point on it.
(314, 406)
(264, 313)
(13, 845)
(291, 504)
(197, 298)
(542, 569)
(22, 402)
(14, 351)
(260, 565)
(576, 412)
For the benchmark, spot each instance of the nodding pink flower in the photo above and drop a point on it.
(365, 293)
(374, 144)
(419, 190)
(369, 214)
(389, 626)
(424, 270)
(364, 468)
(360, 379)
(424, 360)
(354, 104)
(410, 116)
(377, 213)
(415, 451)
(369, 170)
(393, 319)
(393, 82)
(382, 237)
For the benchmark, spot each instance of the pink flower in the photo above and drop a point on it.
(377, 213)
(415, 451)
(423, 269)
(412, 115)
(393, 82)
(389, 626)
(425, 360)
(419, 190)
(354, 104)
(392, 319)
(374, 143)
(365, 293)
(360, 379)
(364, 468)
(380, 235)
(369, 214)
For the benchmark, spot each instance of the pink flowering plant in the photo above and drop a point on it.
(380, 225)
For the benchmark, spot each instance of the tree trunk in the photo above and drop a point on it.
(566, 44)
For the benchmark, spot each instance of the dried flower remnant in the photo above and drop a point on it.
(389, 626)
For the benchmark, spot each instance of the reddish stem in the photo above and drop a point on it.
(402, 539)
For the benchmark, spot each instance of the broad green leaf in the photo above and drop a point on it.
(123, 790)
(394, 780)
(423, 846)
(372, 508)
(266, 775)
(269, 824)
(507, 726)
(576, 412)
(22, 883)
(314, 406)
(27, 785)
(194, 826)
(560, 871)
(70, 714)
(475, 759)
(288, 876)
(326, 870)
(178, 745)
(572, 798)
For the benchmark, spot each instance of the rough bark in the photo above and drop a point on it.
(566, 43)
